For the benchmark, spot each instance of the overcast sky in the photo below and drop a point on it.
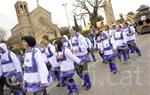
(8, 17)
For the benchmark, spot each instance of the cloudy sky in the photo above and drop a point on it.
(8, 17)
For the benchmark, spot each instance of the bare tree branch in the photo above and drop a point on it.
(90, 3)
(86, 6)
(83, 13)
(99, 2)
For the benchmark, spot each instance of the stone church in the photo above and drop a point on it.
(36, 23)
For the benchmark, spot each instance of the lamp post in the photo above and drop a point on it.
(65, 4)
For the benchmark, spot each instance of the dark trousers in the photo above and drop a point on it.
(70, 84)
(112, 65)
(2, 83)
(133, 47)
(90, 51)
(102, 56)
(57, 76)
(82, 71)
(123, 52)
(41, 92)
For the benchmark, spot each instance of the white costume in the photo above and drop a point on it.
(65, 38)
(109, 33)
(79, 47)
(79, 44)
(67, 60)
(10, 64)
(130, 33)
(109, 54)
(36, 74)
(90, 45)
(50, 52)
(107, 47)
(119, 39)
(98, 42)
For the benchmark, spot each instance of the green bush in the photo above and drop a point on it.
(85, 33)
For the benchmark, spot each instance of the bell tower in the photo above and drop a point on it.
(109, 12)
(23, 17)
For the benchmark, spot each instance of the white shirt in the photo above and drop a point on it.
(82, 45)
(68, 63)
(13, 65)
(119, 42)
(89, 43)
(105, 44)
(52, 59)
(42, 74)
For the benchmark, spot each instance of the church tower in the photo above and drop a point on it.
(109, 12)
(23, 17)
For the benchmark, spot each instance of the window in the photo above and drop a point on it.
(26, 9)
(21, 8)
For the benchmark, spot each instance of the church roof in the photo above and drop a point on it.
(143, 7)
(36, 9)
(41, 8)
(14, 27)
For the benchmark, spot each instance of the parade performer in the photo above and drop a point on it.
(78, 46)
(110, 53)
(10, 68)
(98, 40)
(50, 52)
(108, 32)
(36, 75)
(66, 59)
(119, 39)
(130, 33)
(65, 41)
(90, 48)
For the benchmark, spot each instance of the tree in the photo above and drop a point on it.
(130, 13)
(100, 18)
(121, 18)
(3, 35)
(88, 7)
(75, 23)
(64, 30)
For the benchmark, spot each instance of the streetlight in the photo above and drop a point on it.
(65, 4)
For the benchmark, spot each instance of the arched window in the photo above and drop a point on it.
(21, 8)
(26, 9)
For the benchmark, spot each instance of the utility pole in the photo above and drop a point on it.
(65, 4)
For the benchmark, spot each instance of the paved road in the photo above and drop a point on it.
(133, 78)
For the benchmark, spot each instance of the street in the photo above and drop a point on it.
(133, 78)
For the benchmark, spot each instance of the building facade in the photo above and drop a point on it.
(36, 23)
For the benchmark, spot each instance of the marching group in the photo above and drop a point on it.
(62, 59)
